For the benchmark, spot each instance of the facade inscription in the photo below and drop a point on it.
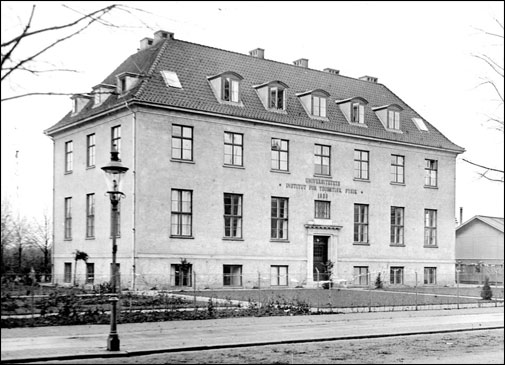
(322, 187)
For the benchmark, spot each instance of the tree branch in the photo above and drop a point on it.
(23, 34)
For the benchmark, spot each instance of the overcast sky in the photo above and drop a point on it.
(422, 51)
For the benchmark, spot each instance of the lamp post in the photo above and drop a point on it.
(114, 172)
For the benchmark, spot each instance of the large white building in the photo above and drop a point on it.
(255, 172)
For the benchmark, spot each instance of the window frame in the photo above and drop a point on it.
(396, 272)
(115, 139)
(240, 146)
(90, 150)
(277, 278)
(430, 275)
(90, 273)
(393, 119)
(319, 159)
(182, 138)
(430, 173)
(397, 236)
(358, 275)
(398, 169)
(273, 103)
(69, 156)
(230, 217)
(179, 213)
(67, 272)
(90, 215)
(326, 209)
(321, 99)
(279, 227)
(229, 276)
(361, 224)
(183, 279)
(359, 115)
(275, 154)
(361, 166)
(430, 228)
(230, 88)
(67, 227)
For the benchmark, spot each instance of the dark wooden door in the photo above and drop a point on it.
(320, 256)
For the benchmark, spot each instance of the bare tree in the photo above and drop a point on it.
(21, 239)
(48, 38)
(495, 82)
(6, 230)
(42, 239)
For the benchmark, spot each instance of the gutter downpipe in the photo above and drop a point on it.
(134, 129)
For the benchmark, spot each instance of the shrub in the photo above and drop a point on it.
(486, 293)
(378, 282)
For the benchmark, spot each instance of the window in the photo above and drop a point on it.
(276, 98)
(90, 273)
(280, 157)
(420, 124)
(361, 275)
(69, 158)
(278, 275)
(181, 212)
(232, 275)
(322, 209)
(67, 273)
(279, 218)
(322, 160)
(115, 144)
(90, 215)
(182, 143)
(398, 169)
(232, 215)
(430, 275)
(230, 89)
(397, 225)
(68, 219)
(118, 221)
(361, 164)
(360, 223)
(393, 119)
(171, 79)
(90, 150)
(396, 275)
(357, 113)
(430, 227)
(182, 275)
(319, 106)
(233, 149)
(430, 172)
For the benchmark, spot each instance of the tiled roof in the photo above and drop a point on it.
(194, 63)
(494, 222)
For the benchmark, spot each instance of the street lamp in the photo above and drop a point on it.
(114, 172)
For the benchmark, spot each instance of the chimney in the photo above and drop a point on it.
(145, 43)
(460, 216)
(161, 35)
(302, 62)
(258, 53)
(331, 71)
(369, 78)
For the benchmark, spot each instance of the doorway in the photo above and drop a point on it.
(320, 257)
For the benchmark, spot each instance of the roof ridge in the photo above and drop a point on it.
(151, 69)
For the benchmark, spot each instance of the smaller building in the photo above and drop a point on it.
(479, 250)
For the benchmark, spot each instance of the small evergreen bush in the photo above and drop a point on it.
(378, 282)
(486, 293)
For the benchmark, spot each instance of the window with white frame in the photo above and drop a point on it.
(67, 272)
(361, 164)
(430, 275)
(396, 275)
(280, 154)
(322, 209)
(182, 274)
(397, 225)
(278, 275)
(68, 219)
(357, 113)
(361, 275)
(322, 158)
(90, 273)
(230, 89)
(319, 105)
(233, 149)
(69, 156)
(279, 218)
(276, 97)
(181, 221)
(398, 169)
(360, 223)
(430, 173)
(393, 119)
(90, 215)
(115, 142)
(90, 150)
(232, 215)
(430, 227)
(182, 142)
(232, 275)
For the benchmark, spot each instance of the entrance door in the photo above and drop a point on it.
(320, 256)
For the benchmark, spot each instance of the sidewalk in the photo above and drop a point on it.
(88, 341)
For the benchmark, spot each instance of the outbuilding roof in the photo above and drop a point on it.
(194, 64)
(495, 222)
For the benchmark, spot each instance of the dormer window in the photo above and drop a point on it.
(353, 110)
(315, 102)
(101, 93)
(78, 102)
(393, 119)
(126, 81)
(226, 87)
(390, 115)
(273, 95)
